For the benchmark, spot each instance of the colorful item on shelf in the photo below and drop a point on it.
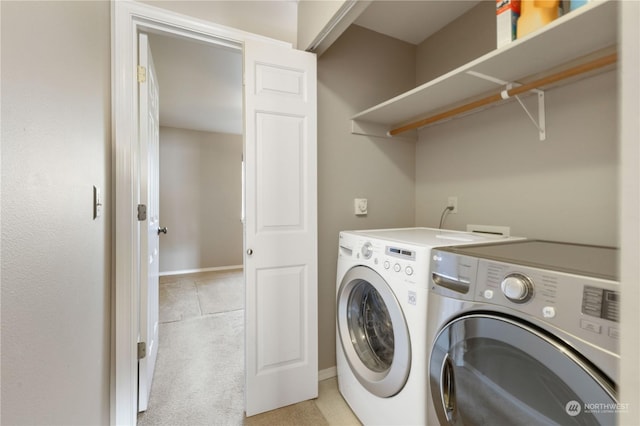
(535, 14)
(574, 4)
(507, 12)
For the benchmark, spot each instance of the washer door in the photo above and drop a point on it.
(487, 369)
(373, 332)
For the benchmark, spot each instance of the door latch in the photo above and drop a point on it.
(142, 212)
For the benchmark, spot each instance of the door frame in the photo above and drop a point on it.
(128, 18)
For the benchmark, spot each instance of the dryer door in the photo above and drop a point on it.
(373, 332)
(487, 369)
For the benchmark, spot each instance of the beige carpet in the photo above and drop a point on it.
(199, 377)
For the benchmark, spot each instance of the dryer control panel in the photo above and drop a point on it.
(584, 306)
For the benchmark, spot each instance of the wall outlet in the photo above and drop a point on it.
(453, 202)
(360, 205)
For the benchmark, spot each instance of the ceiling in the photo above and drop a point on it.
(201, 84)
(412, 21)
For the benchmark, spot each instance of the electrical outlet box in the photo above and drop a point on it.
(453, 202)
(360, 205)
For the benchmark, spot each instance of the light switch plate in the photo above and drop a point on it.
(360, 205)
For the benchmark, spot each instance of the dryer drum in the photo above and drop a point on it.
(370, 327)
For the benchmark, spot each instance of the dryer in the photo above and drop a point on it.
(381, 347)
(524, 333)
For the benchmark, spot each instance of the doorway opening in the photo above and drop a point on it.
(280, 232)
(199, 369)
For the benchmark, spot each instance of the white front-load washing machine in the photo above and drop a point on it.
(381, 348)
(524, 333)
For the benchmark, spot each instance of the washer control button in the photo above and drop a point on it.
(488, 294)
(591, 326)
(387, 265)
(614, 332)
(408, 270)
(517, 288)
(548, 312)
(367, 250)
(396, 267)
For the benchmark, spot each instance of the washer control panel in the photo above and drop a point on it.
(407, 262)
(584, 306)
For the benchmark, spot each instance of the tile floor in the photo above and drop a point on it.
(199, 372)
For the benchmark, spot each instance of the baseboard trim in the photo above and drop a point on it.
(193, 271)
(327, 373)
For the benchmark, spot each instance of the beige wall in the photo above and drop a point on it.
(361, 69)
(312, 18)
(200, 199)
(564, 188)
(55, 258)
(270, 18)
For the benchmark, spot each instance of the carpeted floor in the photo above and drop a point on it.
(199, 375)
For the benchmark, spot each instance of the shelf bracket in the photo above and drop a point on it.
(540, 124)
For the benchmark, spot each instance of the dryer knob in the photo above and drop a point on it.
(367, 250)
(517, 288)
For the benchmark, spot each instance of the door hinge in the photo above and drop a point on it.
(142, 350)
(142, 74)
(142, 212)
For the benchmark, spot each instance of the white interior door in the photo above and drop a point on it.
(149, 240)
(281, 346)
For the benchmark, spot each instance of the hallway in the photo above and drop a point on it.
(199, 376)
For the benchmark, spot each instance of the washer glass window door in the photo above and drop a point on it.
(373, 332)
(486, 369)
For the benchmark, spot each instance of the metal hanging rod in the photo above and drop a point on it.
(505, 94)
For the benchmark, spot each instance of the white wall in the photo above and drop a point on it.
(200, 199)
(55, 258)
(271, 18)
(361, 69)
(629, 14)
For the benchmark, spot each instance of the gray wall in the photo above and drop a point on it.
(200, 199)
(361, 69)
(564, 188)
(463, 40)
(55, 257)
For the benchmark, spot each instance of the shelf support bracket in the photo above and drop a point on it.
(540, 124)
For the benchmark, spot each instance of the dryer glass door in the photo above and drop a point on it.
(486, 369)
(373, 332)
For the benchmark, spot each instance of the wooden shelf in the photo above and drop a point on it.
(582, 32)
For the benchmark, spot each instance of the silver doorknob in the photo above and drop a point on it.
(250, 252)
(162, 230)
